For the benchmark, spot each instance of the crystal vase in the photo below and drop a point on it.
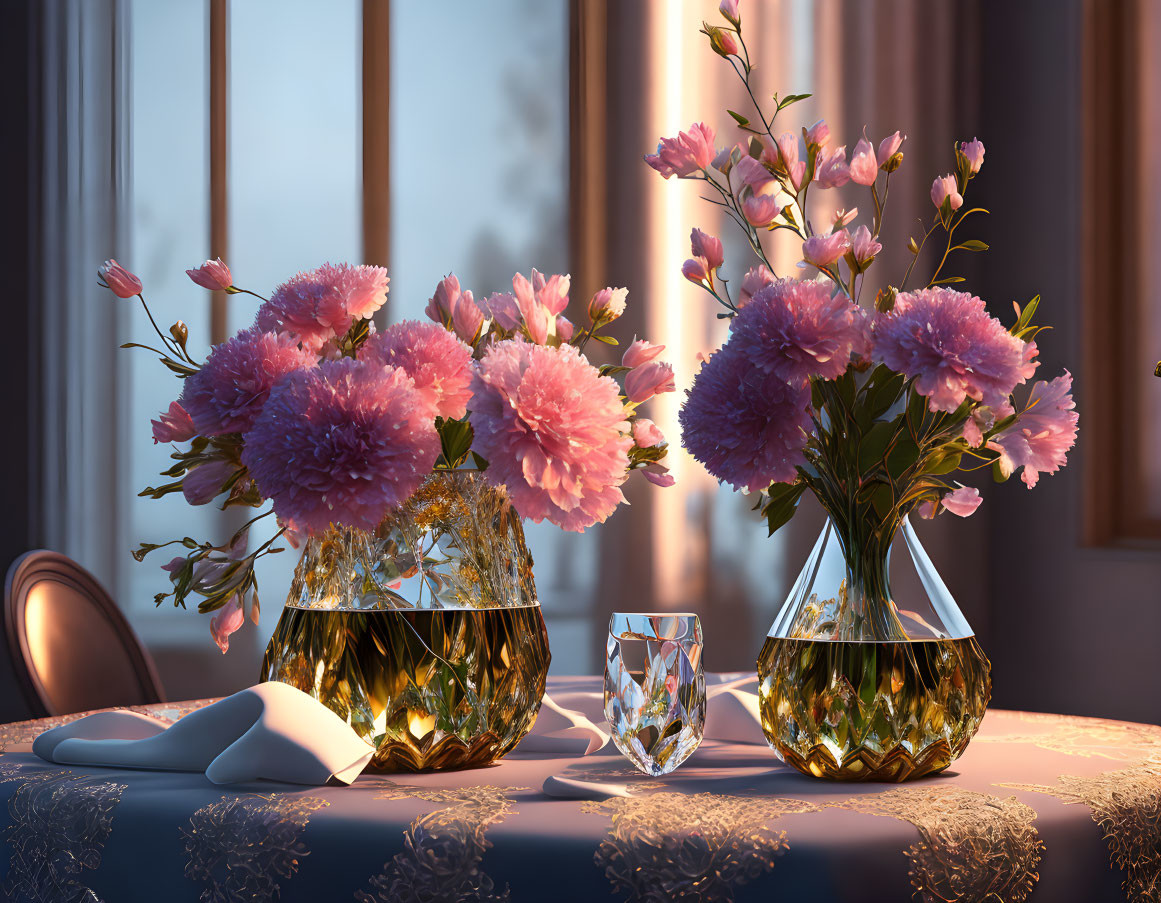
(424, 635)
(870, 671)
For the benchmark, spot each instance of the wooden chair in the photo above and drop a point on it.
(71, 648)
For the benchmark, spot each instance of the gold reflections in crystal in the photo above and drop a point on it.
(241, 848)
(1126, 804)
(59, 824)
(972, 846)
(703, 846)
(443, 850)
(885, 711)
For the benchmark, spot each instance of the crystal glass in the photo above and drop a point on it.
(424, 635)
(870, 671)
(655, 688)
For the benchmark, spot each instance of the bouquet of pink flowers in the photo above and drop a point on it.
(873, 409)
(335, 423)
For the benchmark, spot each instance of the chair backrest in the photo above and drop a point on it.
(71, 647)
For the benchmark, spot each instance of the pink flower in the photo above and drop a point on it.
(641, 352)
(818, 134)
(746, 426)
(888, 147)
(983, 419)
(647, 380)
(553, 431)
(551, 291)
(944, 187)
(723, 41)
(174, 425)
(467, 319)
(321, 304)
(707, 247)
(788, 149)
(228, 620)
(749, 173)
(607, 304)
(963, 501)
(564, 329)
(864, 167)
(1041, 436)
(658, 475)
(438, 363)
(729, 9)
(688, 153)
(540, 300)
(843, 218)
(948, 343)
(974, 151)
(503, 310)
(831, 170)
(342, 443)
(213, 274)
(754, 281)
(760, 209)
(227, 394)
(646, 434)
(455, 309)
(864, 246)
(823, 250)
(795, 330)
(204, 483)
(119, 280)
(695, 270)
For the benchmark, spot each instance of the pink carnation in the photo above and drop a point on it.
(553, 431)
(746, 426)
(342, 443)
(438, 362)
(795, 330)
(755, 280)
(948, 343)
(227, 394)
(1041, 436)
(320, 304)
(686, 154)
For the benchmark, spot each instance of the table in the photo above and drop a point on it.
(1041, 807)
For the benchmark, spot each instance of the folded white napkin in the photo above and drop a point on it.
(269, 732)
(732, 711)
(565, 732)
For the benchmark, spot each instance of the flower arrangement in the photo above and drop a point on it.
(872, 408)
(334, 423)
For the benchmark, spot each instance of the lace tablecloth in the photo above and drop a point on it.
(1041, 807)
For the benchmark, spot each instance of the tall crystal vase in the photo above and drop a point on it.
(425, 635)
(870, 671)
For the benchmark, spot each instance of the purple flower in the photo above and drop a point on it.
(747, 426)
(342, 443)
(1041, 436)
(227, 394)
(438, 362)
(948, 343)
(203, 483)
(174, 425)
(795, 330)
(320, 304)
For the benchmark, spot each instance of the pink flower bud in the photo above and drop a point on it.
(213, 274)
(228, 620)
(686, 154)
(843, 218)
(818, 134)
(696, 270)
(467, 318)
(863, 245)
(974, 151)
(760, 209)
(754, 281)
(503, 310)
(646, 434)
(653, 378)
(945, 187)
(823, 250)
(830, 170)
(174, 425)
(707, 247)
(119, 280)
(564, 329)
(533, 313)
(864, 168)
(552, 292)
(889, 146)
(607, 304)
(641, 352)
(729, 10)
(203, 483)
(963, 501)
(441, 305)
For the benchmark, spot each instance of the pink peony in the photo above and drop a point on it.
(864, 246)
(647, 380)
(746, 426)
(824, 250)
(439, 364)
(607, 304)
(213, 275)
(707, 247)
(229, 619)
(640, 352)
(174, 425)
(227, 394)
(754, 281)
(948, 343)
(119, 280)
(943, 188)
(962, 502)
(864, 166)
(974, 151)
(888, 147)
(646, 434)
(553, 431)
(688, 153)
(1041, 436)
(831, 170)
(342, 443)
(795, 330)
(321, 304)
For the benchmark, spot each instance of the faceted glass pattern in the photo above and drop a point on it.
(655, 688)
(424, 635)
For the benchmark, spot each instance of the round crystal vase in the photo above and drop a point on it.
(870, 671)
(424, 635)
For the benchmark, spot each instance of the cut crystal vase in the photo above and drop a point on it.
(424, 635)
(870, 671)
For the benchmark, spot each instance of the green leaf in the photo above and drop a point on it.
(881, 392)
(606, 339)
(972, 244)
(739, 118)
(783, 504)
(874, 444)
(480, 462)
(912, 246)
(455, 439)
(948, 280)
(998, 473)
(788, 100)
(945, 462)
(902, 456)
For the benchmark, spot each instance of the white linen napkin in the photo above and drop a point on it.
(565, 732)
(732, 711)
(269, 732)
